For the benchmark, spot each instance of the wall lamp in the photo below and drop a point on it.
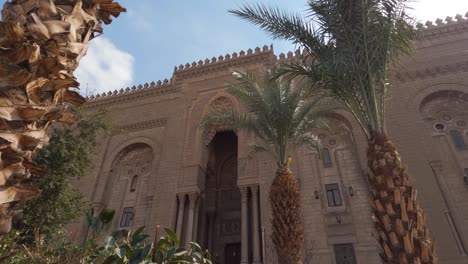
(316, 195)
(338, 219)
(351, 191)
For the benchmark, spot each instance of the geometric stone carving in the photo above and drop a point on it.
(220, 104)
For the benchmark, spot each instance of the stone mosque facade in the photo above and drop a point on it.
(159, 168)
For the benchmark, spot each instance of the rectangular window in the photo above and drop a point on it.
(344, 254)
(127, 217)
(333, 194)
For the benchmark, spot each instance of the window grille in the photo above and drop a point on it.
(333, 195)
(127, 217)
(457, 139)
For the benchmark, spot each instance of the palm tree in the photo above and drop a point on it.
(281, 117)
(41, 44)
(349, 46)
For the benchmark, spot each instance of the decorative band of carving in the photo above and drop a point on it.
(142, 125)
(432, 72)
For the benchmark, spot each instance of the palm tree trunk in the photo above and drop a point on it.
(41, 44)
(399, 219)
(287, 231)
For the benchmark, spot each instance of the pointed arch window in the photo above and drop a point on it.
(326, 158)
(134, 183)
(457, 139)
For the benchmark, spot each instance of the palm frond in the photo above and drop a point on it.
(280, 115)
(349, 46)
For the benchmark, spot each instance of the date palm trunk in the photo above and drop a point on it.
(287, 231)
(41, 44)
(400, 223)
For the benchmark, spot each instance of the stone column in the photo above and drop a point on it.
(209, 239)
(195, 221)
(180, 215)
(256, 230)
(244, 227)
(192, 202)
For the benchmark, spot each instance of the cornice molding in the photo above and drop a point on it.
(431, 72)
(139, 126)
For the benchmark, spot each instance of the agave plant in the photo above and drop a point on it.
(350, 46)
(41, 44)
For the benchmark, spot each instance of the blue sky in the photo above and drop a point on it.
(145, 44)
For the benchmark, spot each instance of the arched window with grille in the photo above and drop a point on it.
(457, 139)
(134, 183)
(326, 158)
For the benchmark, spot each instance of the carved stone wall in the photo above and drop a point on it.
(428, 90)
(128, 182)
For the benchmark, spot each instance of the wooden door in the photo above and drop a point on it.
(344, 254)
(232, 253)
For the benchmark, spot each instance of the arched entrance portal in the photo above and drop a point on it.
(221, 202)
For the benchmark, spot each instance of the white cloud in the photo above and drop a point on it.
(104, 68)
(430, 10)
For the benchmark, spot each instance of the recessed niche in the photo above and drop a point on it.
(461, 123)
(439, 126)
(446, 117)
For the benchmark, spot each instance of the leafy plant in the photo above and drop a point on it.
(55, 251)
(123, 247)
(69, 155)
(100, 222)
(168, 251)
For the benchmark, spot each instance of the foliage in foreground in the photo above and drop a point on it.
(121, 247)
(100, 222)
(68, 156)
(125, 247)
(53, 251)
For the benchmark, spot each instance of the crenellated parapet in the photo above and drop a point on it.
(136, 91)
(158, 85)
(439, 27)
(291, 56)
(222, 62)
